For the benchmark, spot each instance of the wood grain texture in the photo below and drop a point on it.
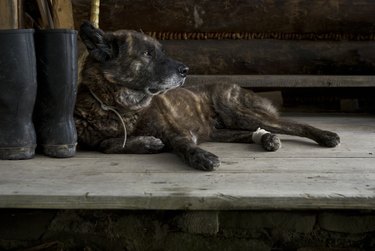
(234, 15)
(296, 22)
(300, 175)
(46, 16)
(63, 14)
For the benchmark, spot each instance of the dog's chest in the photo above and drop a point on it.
(104, 123)
(115, 123)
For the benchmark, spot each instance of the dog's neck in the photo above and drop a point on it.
(121, 98)
(131, 99)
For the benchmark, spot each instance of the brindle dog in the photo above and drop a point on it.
(128, 75)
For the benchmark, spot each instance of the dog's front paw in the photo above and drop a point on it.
(203, 160)
(270, 142)
(150, 144)
(328, 139)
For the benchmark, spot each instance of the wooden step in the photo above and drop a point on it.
(301, 175)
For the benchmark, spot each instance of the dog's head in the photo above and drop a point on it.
(133, 60)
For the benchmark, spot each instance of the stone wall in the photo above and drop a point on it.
(181, 230)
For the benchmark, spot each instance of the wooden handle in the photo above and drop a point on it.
(9, 14)
(95, 10)
(45, 14)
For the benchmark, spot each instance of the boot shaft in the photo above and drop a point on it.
(57, 71)
(57, 67)
(17, 96)
(18, 74)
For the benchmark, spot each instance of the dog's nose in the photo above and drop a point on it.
(183, 70)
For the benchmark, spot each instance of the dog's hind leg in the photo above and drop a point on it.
(282, 126)
(243, 120)
(241, 109)
(268, 141)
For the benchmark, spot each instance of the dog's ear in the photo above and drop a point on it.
(100, 47)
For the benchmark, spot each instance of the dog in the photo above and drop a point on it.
(130, 100)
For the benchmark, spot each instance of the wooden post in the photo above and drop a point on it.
(20, 14)
(63, 14)
(9, 14)
(95, 9)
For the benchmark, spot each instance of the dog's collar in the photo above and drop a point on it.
(105, 107)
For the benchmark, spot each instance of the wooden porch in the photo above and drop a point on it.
(300, 198)
(301, 175)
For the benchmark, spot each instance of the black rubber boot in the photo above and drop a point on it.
(56, 53)
(17, 94)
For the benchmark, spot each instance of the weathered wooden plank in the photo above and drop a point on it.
(232, 16)
(63, 14)
(179, 202)
(353, 145)
(91, 166)
(265, 81)
(298, 176)
(357, 136)
(69, 187)
(273, 57)
(9, 14)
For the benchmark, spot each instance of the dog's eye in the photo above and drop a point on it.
(147, 53)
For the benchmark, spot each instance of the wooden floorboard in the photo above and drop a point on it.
(301, 175)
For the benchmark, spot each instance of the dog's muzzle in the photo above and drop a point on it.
(166, 86)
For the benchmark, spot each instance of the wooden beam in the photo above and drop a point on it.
(274, 57)
(62, 14)
(272, 81)
(9, 14)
